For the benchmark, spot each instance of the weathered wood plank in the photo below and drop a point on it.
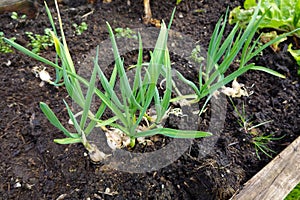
(277, 179)
(28, 7)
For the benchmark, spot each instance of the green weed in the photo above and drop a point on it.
(40, 42)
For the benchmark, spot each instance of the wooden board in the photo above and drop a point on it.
(277, 179)
(28, 7)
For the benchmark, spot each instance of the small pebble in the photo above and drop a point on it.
(17, 185)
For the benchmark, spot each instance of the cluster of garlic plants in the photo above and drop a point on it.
(134, 115)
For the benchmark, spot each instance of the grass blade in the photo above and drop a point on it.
(105, 122)
(50, 17)
(73, 119)
(174, 133)
(267, 70)
(126, 91)
(138, 89)
(103, 106)
(188, 82)
(89, 95)
(68, 140)
(54, 121)
(76, 95)
(30, 53)
(168, 91)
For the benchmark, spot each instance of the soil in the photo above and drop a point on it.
(34, 167)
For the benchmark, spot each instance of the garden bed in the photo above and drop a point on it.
(32, 165)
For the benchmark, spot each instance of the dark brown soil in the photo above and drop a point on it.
(34, 167)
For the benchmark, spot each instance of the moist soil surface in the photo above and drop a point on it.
(34, 167)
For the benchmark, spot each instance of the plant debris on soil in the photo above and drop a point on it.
(34, 167)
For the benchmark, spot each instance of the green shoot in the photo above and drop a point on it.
(195, 55)
(244, 122)
(259, 140)
(4, 47)
(261, 144)
(221, 53)
(277, 16)
(178, 2)
(15, 16)
(125, 32)
(79, 29)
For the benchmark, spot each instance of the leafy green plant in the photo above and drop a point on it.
(282, 16)
(260, 140)
(39, 42)
(79, 29)
(15, 16)
(221, 53)
(125, 32)
(4, 47)
(129, 108)
(294, 194)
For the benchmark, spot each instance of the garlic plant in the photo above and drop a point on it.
(129, 103)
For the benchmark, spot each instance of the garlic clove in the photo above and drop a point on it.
(45, 76)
